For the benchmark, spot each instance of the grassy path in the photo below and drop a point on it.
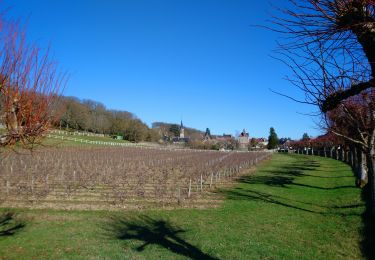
(292, 207)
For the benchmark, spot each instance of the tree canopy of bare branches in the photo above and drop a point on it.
(330, 46)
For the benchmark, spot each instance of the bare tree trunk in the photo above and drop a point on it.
(355, 159)
(371, 180)
(362, 170)
(371, 163)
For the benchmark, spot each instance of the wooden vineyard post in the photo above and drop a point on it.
(189, 192)
(178, 195)
(212, 175)
(32, 184)
(201, 183)
(7, 187)
(7, 182)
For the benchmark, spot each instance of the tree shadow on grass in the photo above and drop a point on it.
(285, 182)
(274, 181)
(368, 230)
(263, 197)
(154, 232)
(295, 172)
(306, 165)
(9, 224)
(248, 194)
(289, 176)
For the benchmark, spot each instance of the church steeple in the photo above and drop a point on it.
(182, 130)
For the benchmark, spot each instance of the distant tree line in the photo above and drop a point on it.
(93, 116)
(173, 130)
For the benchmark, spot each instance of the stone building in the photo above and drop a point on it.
(243, 140)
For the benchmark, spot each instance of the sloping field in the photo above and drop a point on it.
(292, 207)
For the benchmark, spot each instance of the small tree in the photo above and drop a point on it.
(305, 137)
(208, 133)
(175, 130)
(253, 143)
(273, 140)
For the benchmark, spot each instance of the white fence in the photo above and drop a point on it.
(85, 141)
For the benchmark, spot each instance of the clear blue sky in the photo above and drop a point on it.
(163, 60)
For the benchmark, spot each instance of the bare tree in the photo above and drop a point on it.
(29, 87)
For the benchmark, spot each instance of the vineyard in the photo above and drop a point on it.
(119, 177)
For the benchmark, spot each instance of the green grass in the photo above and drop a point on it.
(53, 142)
(64, 142)
(94, 138)
(293, 207)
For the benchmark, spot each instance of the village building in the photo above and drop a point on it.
(243, 140)
(224, 138)
(261, 143)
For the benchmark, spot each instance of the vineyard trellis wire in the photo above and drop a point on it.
(116, 177)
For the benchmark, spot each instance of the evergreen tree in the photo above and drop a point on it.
(175, 130)
(305, 137)
(273, 140)
(208, 133)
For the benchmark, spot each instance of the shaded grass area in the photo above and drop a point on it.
(368, 242)
(158, 232)
(10, 224)
(291, 207)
